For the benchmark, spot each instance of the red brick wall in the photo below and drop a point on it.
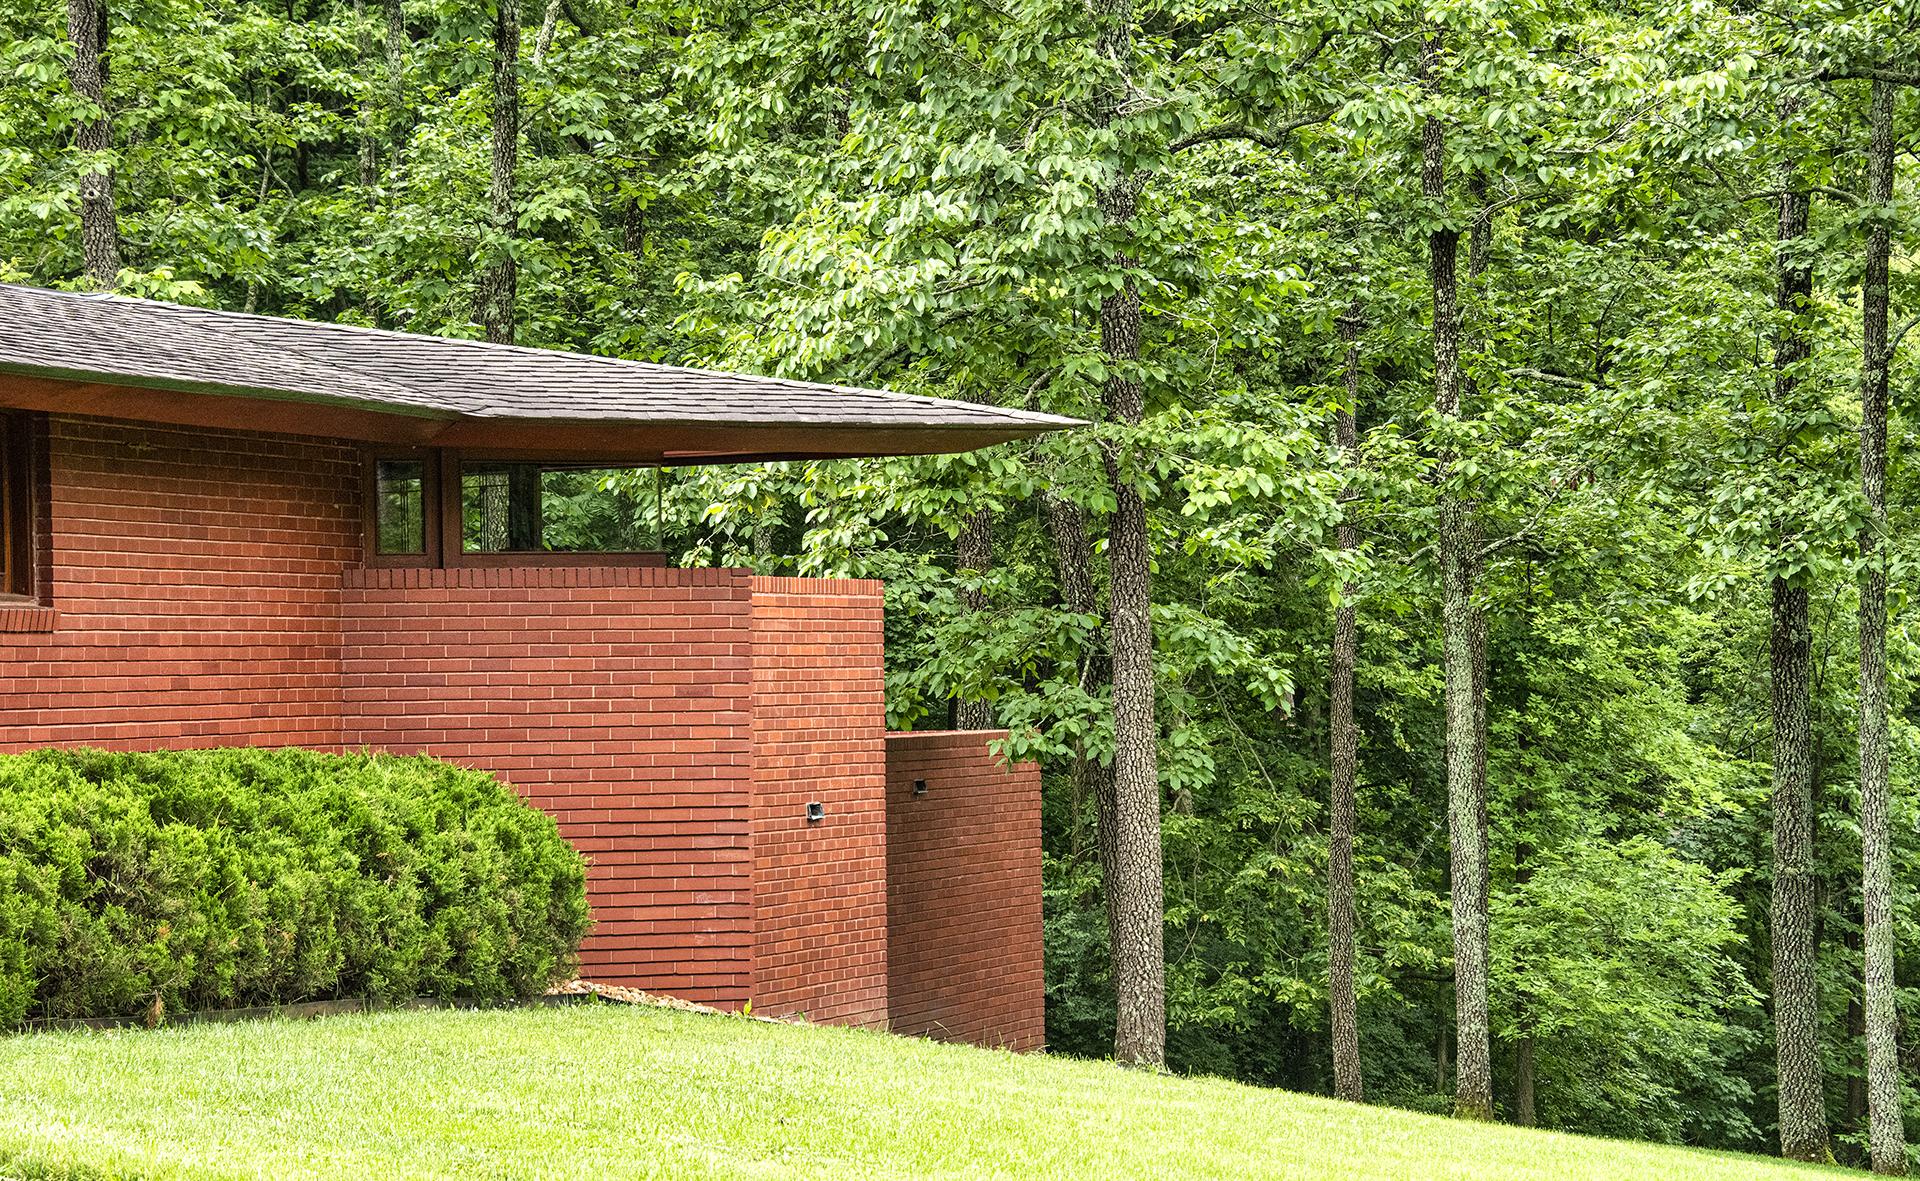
(206, 590)
(615, 698)
(963, 892)
(195, 583)
(819, 703)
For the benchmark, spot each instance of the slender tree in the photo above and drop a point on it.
(99, 218)
(1886, 1133)
(397, 45)
(1341, 998)
(1457, 548)
(1479, 255)
(1796, 1001)
(1091, 778)
(1133, 854)
(499, 282)
(1138, 952)
(549, 24)
(369, 141)
(1525, 1111)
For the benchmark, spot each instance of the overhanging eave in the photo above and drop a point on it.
(610, 440)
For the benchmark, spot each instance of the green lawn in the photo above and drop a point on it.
(583, 1093)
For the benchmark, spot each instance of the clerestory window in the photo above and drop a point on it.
(448, 509)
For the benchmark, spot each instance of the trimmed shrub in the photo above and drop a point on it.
(136, 884)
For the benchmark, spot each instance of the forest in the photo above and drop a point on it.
(1467, 652)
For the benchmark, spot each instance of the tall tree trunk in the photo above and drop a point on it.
(1796, 1002)
(383, 126)
(499, 284)
(99, 219)
(1342, 1000)
(1479, 255)
(1886, 1134)
(396, 114)
(369, 145)
(1139, 964)
(973, 550)
(1135, 891)
(1803, 1131)
(1466, 811)
(1524, 1112)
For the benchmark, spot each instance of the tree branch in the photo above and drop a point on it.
(1876, 73)
(1512, 199)
(1823, 190)
(1276, 138)
(577, 14)
(1565, 482)
(1893, 343)
(1559, 379)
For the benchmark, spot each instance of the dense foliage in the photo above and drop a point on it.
(136, 885)
(920, 194)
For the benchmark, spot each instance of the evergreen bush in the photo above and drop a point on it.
(141, 884)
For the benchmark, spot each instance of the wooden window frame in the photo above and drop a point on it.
(444, 512)
(24, 496)
(429, 462)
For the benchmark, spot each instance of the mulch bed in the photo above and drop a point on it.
(633, 996)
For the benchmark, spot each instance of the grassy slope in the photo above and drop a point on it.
(614, 1092)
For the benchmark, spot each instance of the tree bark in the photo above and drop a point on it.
(1887, 1146)
(549, 24)
(1796, 1002)
(397, 45)
(499, 283)
(1135, 889)
(764, 535)
(99, 218)
(1342, 999)
(1524, 1111)
(1523, 1105)
(1139, 964)
(1073, 562)
(1466, 809)
(1073, 568)
(1854, 1119)
(1480, 230)
(1479, 255)
(973, 550)
(1803, 1132)
(369, 146)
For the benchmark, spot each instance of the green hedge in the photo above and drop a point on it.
(135, 884)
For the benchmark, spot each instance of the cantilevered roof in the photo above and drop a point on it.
(136, 358)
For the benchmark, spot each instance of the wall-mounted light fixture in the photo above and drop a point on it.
(919, 787)
(816, 812)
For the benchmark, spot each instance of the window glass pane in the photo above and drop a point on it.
(400, 509)
(510, 507)
(12, 506)
(19, 511)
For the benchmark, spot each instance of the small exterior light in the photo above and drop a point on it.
(919, 787)
(816, 812)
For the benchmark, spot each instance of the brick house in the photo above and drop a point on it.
(225, 529)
